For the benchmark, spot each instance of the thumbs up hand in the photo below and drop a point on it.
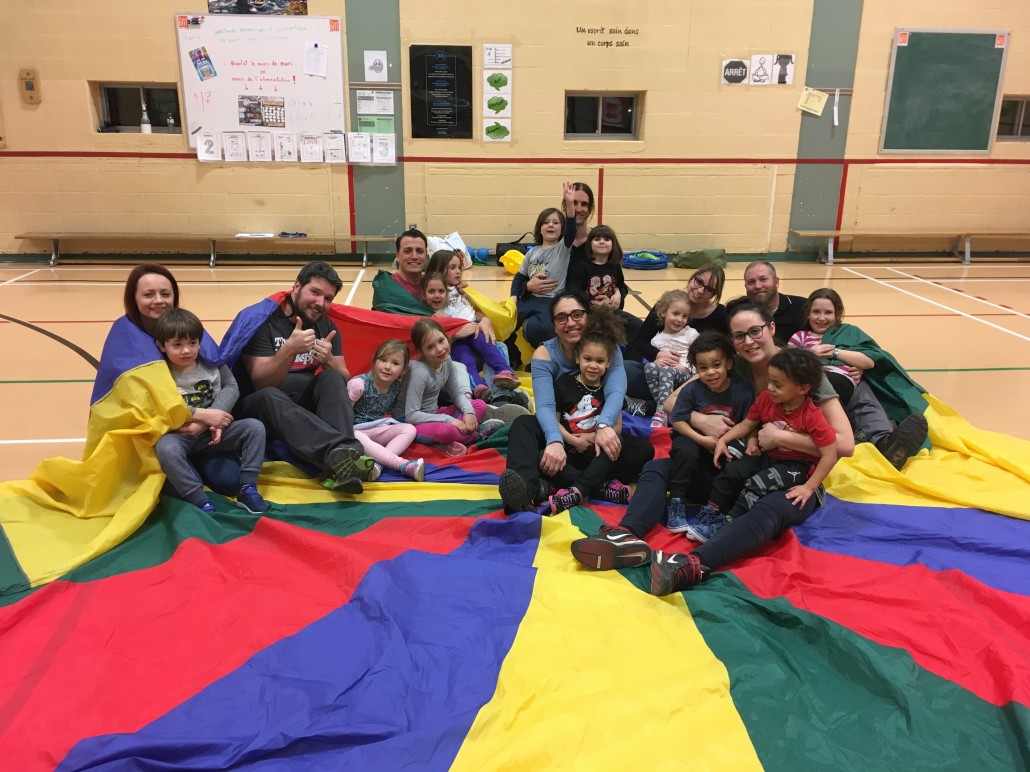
(300, 340)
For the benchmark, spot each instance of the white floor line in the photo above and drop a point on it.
(43, 441)
(963, 294)
(995, 279)
(188, 283)
(354, 287)
(16, 278)
(939, 305)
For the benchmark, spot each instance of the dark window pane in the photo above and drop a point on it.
(1008, 117)
(617, 115)
(162, 102)
(581, 115)
(123, 106)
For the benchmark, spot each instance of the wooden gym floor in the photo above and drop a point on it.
(963, 332)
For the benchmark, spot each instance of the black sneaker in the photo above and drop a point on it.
(613, 547)
(515, 492)
(675, 571)
(905, 441)
(635, 406)
(346, 463)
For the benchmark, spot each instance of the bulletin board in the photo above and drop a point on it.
(943, 91)
(268, 73)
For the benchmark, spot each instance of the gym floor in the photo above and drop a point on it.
(963, 332)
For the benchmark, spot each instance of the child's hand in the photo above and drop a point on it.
(216, 435)
(580, 443)
(193, 429)
(470, 422)
(799, 495)
(212, 417)
(458, 424)
(708, 443)
(721, 452)
(752, 447)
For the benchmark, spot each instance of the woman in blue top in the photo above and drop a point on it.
(535, 447)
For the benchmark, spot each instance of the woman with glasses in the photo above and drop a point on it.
(752, 330)
(535, 447)
(704, 288)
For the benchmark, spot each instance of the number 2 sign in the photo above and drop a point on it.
(208, 147)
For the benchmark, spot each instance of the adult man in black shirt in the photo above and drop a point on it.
(293, 378)
(762, 285)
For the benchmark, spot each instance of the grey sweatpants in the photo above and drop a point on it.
(244, 435)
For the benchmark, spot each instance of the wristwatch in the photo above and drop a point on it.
(836, 351)
(603, 426)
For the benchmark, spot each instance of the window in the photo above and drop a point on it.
(121, 106)
(1014, 121)
(602, 116)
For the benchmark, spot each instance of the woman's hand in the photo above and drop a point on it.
(192, 429)
(487, 328)
(568, 196)
(541, 285)
(768, 438)
(823, 350)
(607, 440)
(470, 422)
(467, 330)
(711, 425)
(553, 459)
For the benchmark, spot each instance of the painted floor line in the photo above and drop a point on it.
(939, 305)
(963, 294)
(354, 287)
(16, 278)
(64, 440)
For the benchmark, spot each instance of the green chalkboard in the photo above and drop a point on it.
(943, 91)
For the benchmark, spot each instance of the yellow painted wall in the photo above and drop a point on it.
(688, 115)
(71, 44)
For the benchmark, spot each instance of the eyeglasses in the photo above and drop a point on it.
(709, 291)
(575, 316)
(752, 332)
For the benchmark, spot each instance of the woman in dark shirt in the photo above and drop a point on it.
(706, 313)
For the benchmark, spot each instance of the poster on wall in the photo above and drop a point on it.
(260, 7)
(441, 92)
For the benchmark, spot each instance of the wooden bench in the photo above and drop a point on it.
(961, 241)
(212, 240)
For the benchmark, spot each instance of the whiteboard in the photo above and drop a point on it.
(246, 73)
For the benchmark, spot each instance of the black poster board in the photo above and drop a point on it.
(944, 91)
(441, 92)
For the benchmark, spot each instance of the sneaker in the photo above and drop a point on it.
(660, 420)
(416, 470)
(515, 492)
(904, 441)
(505, 413)
(251, 500)
(675, 571)
(613, 547)
(676, 516)
(565, 498)
(377, 470)
(454, 448)
(615, 492)
(208, 507)
(706, 524)
(635, 406)
(350, 485)
(481, 392)
(488, 427)
(506, 379)
(346, 463)
(520, 399)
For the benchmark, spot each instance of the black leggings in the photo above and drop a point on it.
(755, 528)
(526, 445)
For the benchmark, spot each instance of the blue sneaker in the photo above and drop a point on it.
(707, 524)
(249, 499)
(208, 507)
(676, 516)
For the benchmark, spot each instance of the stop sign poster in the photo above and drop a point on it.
(734, 70)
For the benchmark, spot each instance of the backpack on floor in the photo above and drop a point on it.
(645, 261)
